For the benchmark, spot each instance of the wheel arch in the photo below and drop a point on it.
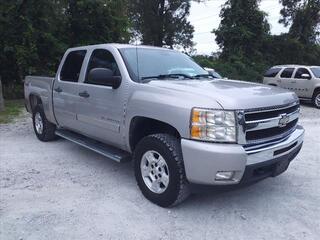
(314, 96)
(143, 126)
(317, 89)
(34, 100)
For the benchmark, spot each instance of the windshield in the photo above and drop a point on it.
(316, 71)
(143, 63)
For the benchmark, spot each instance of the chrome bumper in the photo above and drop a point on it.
(203, 160)
(283, 147)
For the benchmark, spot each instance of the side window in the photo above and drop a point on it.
(287, 73)
(272, 72)
(302, 71)
(102, 58)
(72, 66)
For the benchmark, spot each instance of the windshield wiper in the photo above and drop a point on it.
(172, 75)
(202, 75)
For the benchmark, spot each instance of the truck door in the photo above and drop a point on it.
(286, 78)
(100, 109)
(302, 83)
(65, 88)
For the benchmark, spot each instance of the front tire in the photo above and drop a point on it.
(316, 99)
(43, 129)
(159, 170)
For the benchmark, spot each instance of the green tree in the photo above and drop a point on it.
(304, 17)
(283, 49)
(30, 39)
(97, 21)
(35, 34)
(242, 29)
(162, 22)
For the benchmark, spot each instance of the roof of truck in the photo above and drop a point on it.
(118, 46)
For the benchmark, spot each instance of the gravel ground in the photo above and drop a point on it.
(59, 190)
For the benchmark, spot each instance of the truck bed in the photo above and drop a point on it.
(40, 86)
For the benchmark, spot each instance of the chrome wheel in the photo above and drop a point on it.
(317, 100)
(38, 123)
(154, 171)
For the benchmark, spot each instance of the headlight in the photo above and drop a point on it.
(213, 125)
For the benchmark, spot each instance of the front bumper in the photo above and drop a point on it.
(204, 160)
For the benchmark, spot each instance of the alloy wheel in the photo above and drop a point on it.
(154, 171)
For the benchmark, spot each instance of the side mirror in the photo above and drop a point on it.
(104, 76)
(305, 76)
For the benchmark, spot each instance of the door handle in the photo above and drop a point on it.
(84, 94)
(293, 81)
(58, 89)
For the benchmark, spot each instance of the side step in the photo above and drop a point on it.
(113, 153)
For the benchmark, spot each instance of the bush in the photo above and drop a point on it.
(234, 68)
(13, 91)
(276, 50)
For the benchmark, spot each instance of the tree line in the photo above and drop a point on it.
(35, 34)
(247, 46)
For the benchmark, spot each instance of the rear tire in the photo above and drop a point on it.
(44, 130)
(165, 169)
(316, 99)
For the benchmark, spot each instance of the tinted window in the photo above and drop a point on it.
(301, 71)
(287, 73)
(102, 58)
(316, 71)
(272, 72)
(72, 66)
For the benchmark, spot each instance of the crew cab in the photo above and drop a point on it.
(303, 80)
(158, 108)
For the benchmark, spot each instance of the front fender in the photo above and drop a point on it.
(164, 106)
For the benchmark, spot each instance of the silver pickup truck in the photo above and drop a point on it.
(180, 126)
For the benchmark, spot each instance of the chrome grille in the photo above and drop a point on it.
(268, 124)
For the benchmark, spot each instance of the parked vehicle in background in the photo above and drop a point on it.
(177, 123)
(303, 80)
(213, 73)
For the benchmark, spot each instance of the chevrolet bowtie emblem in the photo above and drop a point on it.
(284, 120)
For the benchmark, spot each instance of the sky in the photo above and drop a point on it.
(205, 17)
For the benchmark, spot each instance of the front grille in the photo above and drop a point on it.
(264, 125)
(270, 132)
(270, 113)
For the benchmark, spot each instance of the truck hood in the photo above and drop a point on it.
(230, 94)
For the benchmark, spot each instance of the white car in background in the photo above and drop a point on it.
(213, 73)
(303, 80)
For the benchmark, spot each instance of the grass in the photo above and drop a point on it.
(13, 108)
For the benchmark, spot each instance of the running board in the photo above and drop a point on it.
(113, 153)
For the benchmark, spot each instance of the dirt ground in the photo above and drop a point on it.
(59, 190)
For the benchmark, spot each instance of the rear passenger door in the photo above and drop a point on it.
(286, 78)
(65, 89)
(100, 110)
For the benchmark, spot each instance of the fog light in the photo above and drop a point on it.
(223, 176)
